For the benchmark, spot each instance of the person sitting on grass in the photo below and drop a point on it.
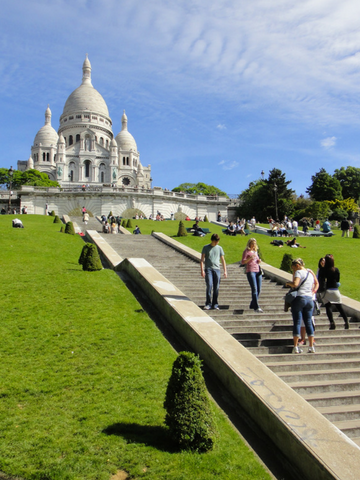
(198, 232)
(137, 231)
(230, 229)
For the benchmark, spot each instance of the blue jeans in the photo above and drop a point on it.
(212, 279)
(255, 283)
(302, 307)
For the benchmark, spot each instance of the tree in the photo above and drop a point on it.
(349, 179)
(199, 189)
(259, 199)
(29, 177)
(188, 410)
(324, 187)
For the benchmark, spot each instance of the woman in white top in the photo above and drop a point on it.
(302, 306)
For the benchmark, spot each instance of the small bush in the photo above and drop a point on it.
(356, 233)
(124, 222)
(62, 229)
(129, 224)
(91, 262)
(286, 262)
(57, 219)
(69, 228)
(206, 218)
(52, 214)
(188, 409)
(182, 230)
(110, 214)
(84, 253)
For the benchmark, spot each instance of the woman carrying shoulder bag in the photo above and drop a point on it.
(302, 306)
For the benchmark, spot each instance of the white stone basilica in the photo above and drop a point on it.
(84, 151)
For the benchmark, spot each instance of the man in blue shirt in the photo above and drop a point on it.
(211, 255)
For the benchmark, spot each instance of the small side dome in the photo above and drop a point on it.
(124, 139)
(47, 135)
(61, 139)
(113, 143)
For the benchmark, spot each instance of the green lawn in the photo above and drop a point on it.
(84, 371)
(346, 251)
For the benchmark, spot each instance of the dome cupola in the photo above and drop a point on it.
(124, 139)
(47, 134)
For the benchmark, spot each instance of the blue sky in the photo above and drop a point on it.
(214, 90)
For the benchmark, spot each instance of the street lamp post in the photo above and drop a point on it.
(276, 208)
(11, 173)
(262, 175)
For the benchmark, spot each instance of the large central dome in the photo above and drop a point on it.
(86, 97)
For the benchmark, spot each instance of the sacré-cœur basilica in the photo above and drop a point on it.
(96, 169)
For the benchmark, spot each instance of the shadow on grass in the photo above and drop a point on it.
(157, 437)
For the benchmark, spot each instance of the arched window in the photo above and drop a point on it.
(87, 168)
(47, 157)
(55, 157)
(43, 156)
(70, 140)
(78, 137)
(101, 141)
(127, 160)
(124, 163)
(102, 177)
(107, 143)
(71, 171)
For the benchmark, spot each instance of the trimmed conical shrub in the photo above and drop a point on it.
(84, 253)
(182, 230)
(286, 263)
(129, 224)
(69, 228)
(62, 229)
(92, 262)
(206, 218)
(57, 219)
(52, 214)
(188, 410)
(356, 233)
(124, 222)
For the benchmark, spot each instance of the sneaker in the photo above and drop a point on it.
(311, 350)
(207, 307)
(259, 310)
(297, 350)
(216, 307)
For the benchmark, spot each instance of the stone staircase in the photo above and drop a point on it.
(328, 380)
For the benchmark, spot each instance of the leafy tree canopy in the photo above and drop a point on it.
(324, 187)
(349, 179)
(30, 177)
(199, 189)
(263, 197)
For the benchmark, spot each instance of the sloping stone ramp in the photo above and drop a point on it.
(328, 380)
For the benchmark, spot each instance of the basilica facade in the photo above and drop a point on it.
(84, 150)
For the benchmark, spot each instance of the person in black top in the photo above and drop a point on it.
(345, 227)
(329, 281)
(198, 232)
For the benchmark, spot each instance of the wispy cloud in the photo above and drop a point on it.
(328, 142)
(221, 127)
(226, 165)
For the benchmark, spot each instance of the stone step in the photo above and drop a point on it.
(318, 375)
(321, 355)
(311, 362)
(351, 428)
(327, 399)
(287, 349)
(340, 385)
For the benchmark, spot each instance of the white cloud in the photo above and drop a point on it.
(221, 126)
(228, 165)
(328, 142)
